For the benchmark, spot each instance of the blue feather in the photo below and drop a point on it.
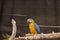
(37, 28)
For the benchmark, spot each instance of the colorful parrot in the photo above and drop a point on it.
(34, 28)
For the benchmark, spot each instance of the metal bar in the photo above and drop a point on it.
(49, 26)
(14, 15)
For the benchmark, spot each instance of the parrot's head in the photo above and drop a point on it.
(30, 20)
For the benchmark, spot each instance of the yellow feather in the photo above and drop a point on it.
(32, 28)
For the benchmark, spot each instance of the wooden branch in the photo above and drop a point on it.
(14, 30)
(50, 35)
(40, 36)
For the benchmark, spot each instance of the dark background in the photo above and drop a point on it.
(44, 12)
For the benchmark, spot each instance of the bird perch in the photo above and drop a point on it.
(47, 36)
(14, 30)
(40, 36)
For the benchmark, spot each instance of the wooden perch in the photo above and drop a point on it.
(50, 35)
(31, 36)
(40, 36)
(14, 30)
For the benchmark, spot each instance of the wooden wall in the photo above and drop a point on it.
(46, 11)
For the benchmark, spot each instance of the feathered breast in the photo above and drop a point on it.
(32, 28)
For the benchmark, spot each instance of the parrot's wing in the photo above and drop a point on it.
(37, 28)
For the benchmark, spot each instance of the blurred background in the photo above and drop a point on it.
(44, 12)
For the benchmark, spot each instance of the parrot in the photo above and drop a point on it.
(33, 26)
